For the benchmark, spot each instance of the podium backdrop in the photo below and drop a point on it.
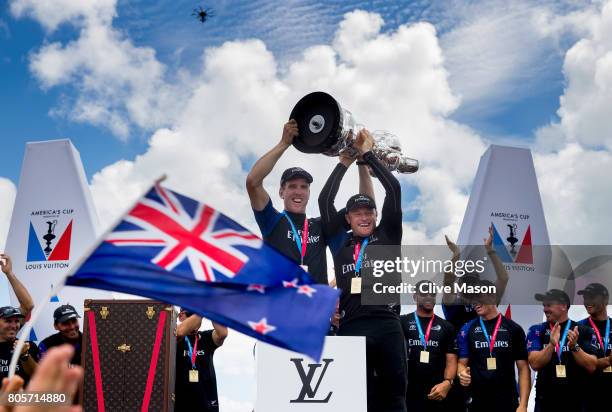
(53, 223)
(289, 381)
(505, 194)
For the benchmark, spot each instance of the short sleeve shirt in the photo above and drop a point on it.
(277, 231)
(498, 384)
(442, 341)
(547, 383)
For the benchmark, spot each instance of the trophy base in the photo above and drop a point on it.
(319, 118)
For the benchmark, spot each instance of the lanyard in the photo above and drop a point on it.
(424, 337)
(606, 340)
(303, 244)
(358, 254)
(561, 344)
(493, 337)
(193, 352)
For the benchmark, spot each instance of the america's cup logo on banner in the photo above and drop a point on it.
(512, 239)
(49, 238)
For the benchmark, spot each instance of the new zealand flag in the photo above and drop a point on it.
(174, 249)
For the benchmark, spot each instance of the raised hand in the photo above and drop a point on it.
(453, 247)
(290, 131)
(364, 142)
(488, 242)
(5, 263)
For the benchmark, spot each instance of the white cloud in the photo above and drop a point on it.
(585, 105)
(576, 195)
(52, 13)
(7, 194)
(573, 158)
(118, 83)
(499, 52)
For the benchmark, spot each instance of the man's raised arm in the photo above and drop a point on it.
(262, 167)
(366, 187)
(23, 296)
(391, 219)
(332, 222)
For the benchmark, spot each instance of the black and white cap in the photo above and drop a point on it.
(64, 313)
(358, 201)
(294, 173)
(553, 295)
(10, 312)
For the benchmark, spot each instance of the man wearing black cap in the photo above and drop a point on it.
(432, 354)
(290, 231)
(195, 379)
(10, 323)
(596, 299)
(385, 347)
(561, 351)
(11, 320)
(490, 347)
(66, 322)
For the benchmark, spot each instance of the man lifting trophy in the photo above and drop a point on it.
(325, 127)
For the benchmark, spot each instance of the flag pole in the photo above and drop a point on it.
(27, 328)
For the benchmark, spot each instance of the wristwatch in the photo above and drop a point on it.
(575, 349)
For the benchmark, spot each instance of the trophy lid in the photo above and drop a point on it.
(319, 119)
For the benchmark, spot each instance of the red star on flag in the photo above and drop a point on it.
(292, 284)
(306, 290)
(262, 326)
(257, 288)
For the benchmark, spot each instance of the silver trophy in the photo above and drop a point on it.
(325, 127)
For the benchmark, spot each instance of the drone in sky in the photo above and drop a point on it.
(202, 14)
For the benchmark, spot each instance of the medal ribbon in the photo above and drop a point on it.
(603, 342)
(193, 352)
(560, 345)
(424, 337)
(358, 254)
(303, 244)
(493, 337)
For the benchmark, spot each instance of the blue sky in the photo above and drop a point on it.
(286, 28)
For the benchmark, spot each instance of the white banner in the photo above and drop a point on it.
(53, 223)
(289, 381)
(505, 194)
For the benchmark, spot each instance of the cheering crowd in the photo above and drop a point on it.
(475, 359)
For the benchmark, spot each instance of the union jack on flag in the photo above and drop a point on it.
(200, 236)
(174, 249)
